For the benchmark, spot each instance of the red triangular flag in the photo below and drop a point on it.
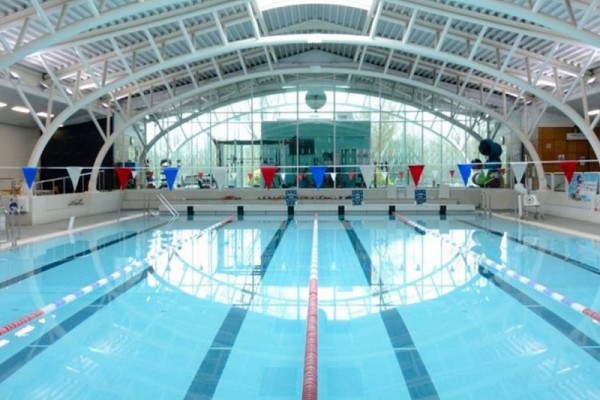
(415, 171)
(401, 174)
(452, 173)
(568, 168)
(300, 176)
(351, 175)
(123, 174)
(268, 174)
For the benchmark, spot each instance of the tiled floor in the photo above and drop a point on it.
(586, 229)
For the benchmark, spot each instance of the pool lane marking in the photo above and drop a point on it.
(131, 267)
(578, 337)
(416, 376)
(570, 260)
(482, 259)
(53, 264)
(22, 357)
(205, 382)
(311, 349)
(364, 258)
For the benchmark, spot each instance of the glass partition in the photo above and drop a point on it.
(318, 125)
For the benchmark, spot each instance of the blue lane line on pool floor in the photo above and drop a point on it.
(71, 257)
(18, 360)
(211, 369)
(583, 341)
(419, 383)
(563, 257)
(363, 256)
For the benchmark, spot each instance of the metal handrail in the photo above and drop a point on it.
(64, 179)
(168, 205)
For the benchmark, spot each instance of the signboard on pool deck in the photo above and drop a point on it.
(420, 196)
(291, 197)
(357, 197)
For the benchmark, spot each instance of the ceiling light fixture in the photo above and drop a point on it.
(21, 109)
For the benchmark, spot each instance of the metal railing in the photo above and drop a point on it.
(58, 185)
(168, 205)
(12, 225)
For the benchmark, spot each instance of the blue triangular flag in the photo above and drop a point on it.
(465, 172)
(29, 174)
(171, 175)
(318, 172)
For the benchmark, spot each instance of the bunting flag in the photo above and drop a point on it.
(518, 169)
(268, 174)
(219, 174)
(568, 168)
(452, 173)
(368, 173)
(351, 175)
(74, 174)
(465, 172)
(318, 172)
(333, 175)
(300, 176)
(250, 176)
(171, 176)
(415, 171)
(123, 174)
(401, 174)
(29, 173)
(282, 174)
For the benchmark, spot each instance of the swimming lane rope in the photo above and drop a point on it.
(310, 384)
(482, 259)
(131, 267)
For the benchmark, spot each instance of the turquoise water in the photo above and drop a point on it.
(221, 313)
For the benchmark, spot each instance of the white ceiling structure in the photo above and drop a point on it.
(513, 61)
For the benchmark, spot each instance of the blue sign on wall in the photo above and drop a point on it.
(357, 197)
(420, 196)
(291, 197)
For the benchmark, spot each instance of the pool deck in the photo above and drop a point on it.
(30, 234)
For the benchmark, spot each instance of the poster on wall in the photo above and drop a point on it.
(584, 186)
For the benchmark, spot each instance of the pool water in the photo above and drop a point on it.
(193, 309)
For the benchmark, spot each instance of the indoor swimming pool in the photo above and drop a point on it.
(411, 306)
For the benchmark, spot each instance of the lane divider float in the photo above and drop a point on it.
(481, 259)
(310, 382)
(131, 267)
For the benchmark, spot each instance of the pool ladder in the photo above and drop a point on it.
(12, 226)
(486, 202)
(168, 205)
